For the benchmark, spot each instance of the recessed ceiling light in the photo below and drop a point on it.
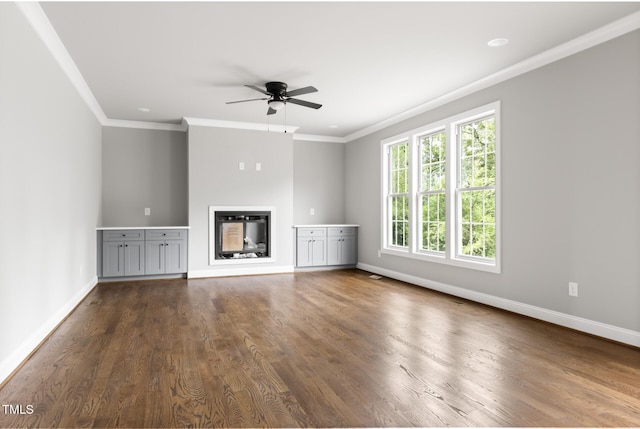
(495, 43)
(144, 109)
(333, 126)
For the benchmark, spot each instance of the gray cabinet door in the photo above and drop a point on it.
(133, 258)
(334, 251)
(349, 250)
(175, 256)
(304, 253)
(112, 259)
(154, 258)
(319, 249)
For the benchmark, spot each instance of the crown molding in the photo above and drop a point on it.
(43, 28)
(603, 34)
(161, 126)
(256, 126)
(319, 138)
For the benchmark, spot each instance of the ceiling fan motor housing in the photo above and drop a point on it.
(278, 89)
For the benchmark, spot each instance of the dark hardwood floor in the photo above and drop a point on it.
(315, 349)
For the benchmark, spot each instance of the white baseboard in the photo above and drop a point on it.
(610, 332)
(11, 363)
(240, 271)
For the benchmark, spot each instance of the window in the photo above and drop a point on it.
(441, 191)
(477, 188)
(399, 194)
(432, 195)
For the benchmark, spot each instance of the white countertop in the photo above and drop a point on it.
(328, 225)
(111, 228)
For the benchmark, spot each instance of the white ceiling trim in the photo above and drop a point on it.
(240, 125)
(121, 123)
(589, 40)
(319, 138)
(42, 26)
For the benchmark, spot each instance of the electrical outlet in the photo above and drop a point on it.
(241, 166)
(573, 289)
(258, 166)
(147, 211)
(312, 212)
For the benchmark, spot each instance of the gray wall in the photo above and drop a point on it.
(50, 188)
(144, 168)
(318, 182)
(215, 180)
(570, 175)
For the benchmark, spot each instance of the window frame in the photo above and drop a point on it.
(453, 214)
(418, 143)
(389, 194)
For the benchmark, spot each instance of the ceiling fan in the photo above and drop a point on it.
(278, 96)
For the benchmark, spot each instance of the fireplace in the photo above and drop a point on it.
(240, 234)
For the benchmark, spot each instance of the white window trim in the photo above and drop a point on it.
(450, 256)
(386, 233)
(416, 162)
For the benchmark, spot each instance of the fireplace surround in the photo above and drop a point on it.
(240, 234)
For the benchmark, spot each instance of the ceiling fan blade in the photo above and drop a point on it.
(300, 91)
(304, 103)
(258, 89)
(271, 111)
(244, 101)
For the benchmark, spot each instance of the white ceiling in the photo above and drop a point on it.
(369, 60)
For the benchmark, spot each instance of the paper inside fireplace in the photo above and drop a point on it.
(232, 236)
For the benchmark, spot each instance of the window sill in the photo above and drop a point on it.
(456, 262)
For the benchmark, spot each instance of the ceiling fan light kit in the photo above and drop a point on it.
(276, 104)
(279, 97)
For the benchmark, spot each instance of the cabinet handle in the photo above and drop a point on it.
(124, 235)
(126, 245)
(164, 235)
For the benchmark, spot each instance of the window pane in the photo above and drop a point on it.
(478, 224)
(433, 222)
(399, 221)
(432, 148)
(477, 153)
(399, 167)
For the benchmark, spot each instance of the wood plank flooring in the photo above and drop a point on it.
(315, 349)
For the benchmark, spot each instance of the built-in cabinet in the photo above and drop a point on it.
(341, 246)
(139, 252)
(311, 247)
(165, 251)
(330, 245)
(123, 253)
